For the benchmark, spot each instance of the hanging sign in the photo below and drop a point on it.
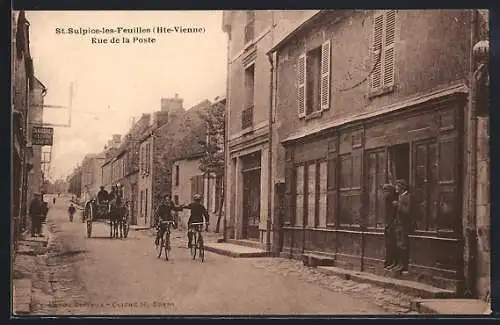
(42, 136)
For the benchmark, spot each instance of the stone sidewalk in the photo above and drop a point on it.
(24, 268)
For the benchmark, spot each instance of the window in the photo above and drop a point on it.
(250, 26)
(383, 53)
(176, 175)
(247, 114)
(197, 186)
(350, 188)
(313, 80)
(311, 194)
(299, 197)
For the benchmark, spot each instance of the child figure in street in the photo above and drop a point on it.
(198, 211)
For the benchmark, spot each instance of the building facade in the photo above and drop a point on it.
(35, 174)
(174, 133)
(188, 180)
(249, 191)
(22, 83)
(361, 102)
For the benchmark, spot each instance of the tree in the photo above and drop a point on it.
(212, 163)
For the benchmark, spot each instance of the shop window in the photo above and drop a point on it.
(299, 196)
(311, 194)
(323, 193)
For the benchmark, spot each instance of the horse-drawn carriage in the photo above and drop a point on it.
(113, 212)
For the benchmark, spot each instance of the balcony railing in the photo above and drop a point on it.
(249, 32)
(247, 118)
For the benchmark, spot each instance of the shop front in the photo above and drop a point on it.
(334, 198)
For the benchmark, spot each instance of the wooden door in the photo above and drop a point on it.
(251, 204)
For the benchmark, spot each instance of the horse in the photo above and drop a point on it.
(117, 214)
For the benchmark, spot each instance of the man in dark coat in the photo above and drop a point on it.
(164, 213)
(402, 225)
(389, 231)
(102, 195)
(36, 213)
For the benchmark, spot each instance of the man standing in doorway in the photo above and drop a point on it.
(402, 224)
(36, 212)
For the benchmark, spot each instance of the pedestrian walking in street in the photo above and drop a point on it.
(54, 201)
(390, 195)
(198, 211)
(71, 212)
(36, 212)
(402, 225)
(164, 213)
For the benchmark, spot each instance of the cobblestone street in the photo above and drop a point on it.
(103, 276)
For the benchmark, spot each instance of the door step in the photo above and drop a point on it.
(246, 242)
(313, 260)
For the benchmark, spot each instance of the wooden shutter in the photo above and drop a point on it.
(301, 86)
(389, 40)
(378, 31)
(325, 75)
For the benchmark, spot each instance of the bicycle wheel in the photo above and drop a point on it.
(159, 247)
(167, 245)
(201, 248)
(193, 248)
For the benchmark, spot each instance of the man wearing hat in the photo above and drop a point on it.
(102, 196)
(36, 213)
(402, 224)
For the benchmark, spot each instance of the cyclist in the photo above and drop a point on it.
(164, 213)
(198, 211)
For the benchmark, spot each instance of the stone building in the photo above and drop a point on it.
(35, 174)
(249, 198)
(22, 82)
(174, 132)
(363, 98)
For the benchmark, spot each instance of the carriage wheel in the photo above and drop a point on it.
(89, 228)
(90, 217)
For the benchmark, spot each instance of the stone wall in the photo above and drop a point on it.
(483, 216)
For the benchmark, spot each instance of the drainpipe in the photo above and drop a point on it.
(470, 230)
(270, 146)
(227, 161)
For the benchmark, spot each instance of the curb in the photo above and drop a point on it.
(226, 252)
(409, 287)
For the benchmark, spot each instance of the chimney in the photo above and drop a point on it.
(172, 104)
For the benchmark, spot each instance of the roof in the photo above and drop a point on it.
(315, 130)
(306, 23)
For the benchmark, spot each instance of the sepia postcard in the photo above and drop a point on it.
(251, 162)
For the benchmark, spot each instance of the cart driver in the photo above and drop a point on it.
(102, 196)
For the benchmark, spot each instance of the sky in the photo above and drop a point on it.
(114, 82)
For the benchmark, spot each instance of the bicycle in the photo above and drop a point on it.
(164, 243)
(197, 228)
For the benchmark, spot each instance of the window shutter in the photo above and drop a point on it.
(389, 40)
(301, 87)
(378, 30)
(325, 75)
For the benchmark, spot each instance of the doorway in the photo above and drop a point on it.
(251, 204)
(399, 162)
